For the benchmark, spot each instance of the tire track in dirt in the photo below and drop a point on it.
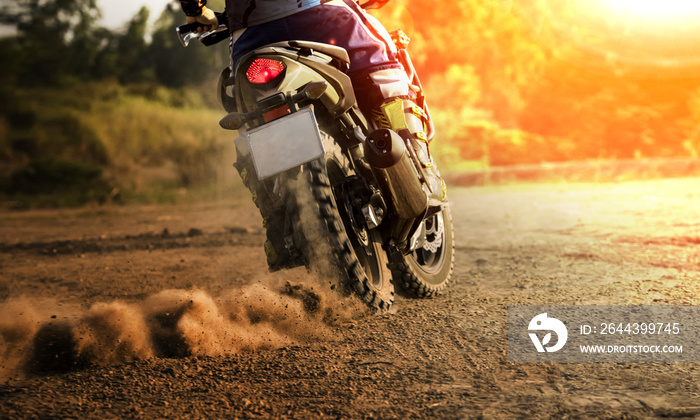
(146, 241)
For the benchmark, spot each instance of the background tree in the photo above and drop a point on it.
(176, 66)
(51, 35)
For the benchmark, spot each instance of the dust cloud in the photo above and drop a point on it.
(42, 336)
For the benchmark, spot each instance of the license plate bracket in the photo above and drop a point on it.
(285, 143)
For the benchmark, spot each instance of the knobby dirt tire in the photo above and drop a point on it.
(424, 273)
(364, 273)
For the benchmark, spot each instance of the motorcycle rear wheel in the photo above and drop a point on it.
(428, 269)
(327, 232)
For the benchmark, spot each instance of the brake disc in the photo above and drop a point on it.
(434, 234)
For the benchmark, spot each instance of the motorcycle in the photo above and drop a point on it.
(333, 189)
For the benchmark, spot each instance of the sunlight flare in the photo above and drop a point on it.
(654, 9)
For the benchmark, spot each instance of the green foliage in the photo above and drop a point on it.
(87, 111)
(58, 44)
(56, 39)
(132, 52)
(46, 175)
(142, 138)
(176, 66)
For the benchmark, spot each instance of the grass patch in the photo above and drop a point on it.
(105, 142)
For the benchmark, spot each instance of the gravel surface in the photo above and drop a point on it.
(168, 311)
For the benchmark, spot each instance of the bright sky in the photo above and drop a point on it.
(116, 13)
(654, 9)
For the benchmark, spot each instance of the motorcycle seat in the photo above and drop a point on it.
(341, 59)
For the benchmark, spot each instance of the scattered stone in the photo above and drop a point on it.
(194, 232)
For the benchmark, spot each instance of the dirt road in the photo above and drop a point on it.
(154, 312)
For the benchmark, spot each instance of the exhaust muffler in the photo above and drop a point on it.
(386, 153)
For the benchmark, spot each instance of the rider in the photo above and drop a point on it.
(379, 80)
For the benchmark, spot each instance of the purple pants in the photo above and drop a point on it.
(339, 22)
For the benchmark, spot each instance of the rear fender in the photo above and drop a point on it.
(304, 65)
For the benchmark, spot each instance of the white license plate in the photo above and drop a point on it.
(285, 143)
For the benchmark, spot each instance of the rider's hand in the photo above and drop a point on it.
(207, 18)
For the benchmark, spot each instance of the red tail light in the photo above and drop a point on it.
(263, 71)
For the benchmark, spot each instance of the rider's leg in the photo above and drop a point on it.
(387, 99)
